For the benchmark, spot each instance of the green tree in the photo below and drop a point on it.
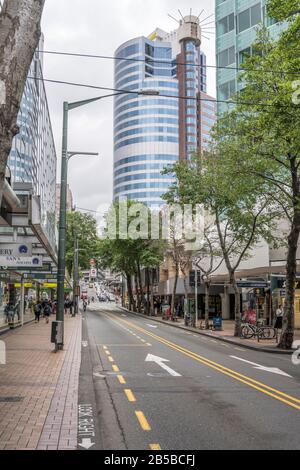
(84, 228)
(127, 247)
(262, 135)
(241, 215)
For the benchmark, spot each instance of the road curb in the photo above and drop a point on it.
(218, 338)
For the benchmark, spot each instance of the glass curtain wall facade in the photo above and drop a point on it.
(236, 26)
(145, 127)
(33, 156)
(152, 132)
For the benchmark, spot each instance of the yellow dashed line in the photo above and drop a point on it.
(104, 347)
(107, 352)
(129, 395)
(115, 368)
(111, 359)
(155, 447)
(121, 379)
(143, 421)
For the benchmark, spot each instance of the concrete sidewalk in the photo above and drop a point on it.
(226, 334)
(39, 388)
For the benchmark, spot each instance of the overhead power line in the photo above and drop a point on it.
(169, 63)
(118, 91)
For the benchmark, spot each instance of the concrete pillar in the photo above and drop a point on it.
(225, 304)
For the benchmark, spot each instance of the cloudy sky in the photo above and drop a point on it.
(99, 27)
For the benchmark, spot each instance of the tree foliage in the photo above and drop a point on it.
(84, 228)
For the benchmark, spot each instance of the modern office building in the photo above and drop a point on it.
(151, 132)
(33, 155)
(236, 28)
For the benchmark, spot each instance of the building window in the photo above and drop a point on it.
(226, 24)
(226, 90)
(226, 57)
(249, 18)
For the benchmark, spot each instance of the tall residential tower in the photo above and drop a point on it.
(152, 132)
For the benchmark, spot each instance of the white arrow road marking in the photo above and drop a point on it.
(151, 326)
(161, 362)
(86, 443)
(273, 370)
(100, 376)
(84, 344)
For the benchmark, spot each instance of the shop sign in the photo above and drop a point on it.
(15, 249)
(21, 262)
(93, 273)
(253, 284)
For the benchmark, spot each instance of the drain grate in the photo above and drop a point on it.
(11, 399)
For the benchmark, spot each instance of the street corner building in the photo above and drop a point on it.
(152, 132)
(28, 238)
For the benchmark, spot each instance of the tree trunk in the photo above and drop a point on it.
(130, 293)
(288, 324)
(138, 298)
(19, 37)
(174, 291)
(148, 291)
(207, 289)
(186, 296)
(237, 305)
(140, 284)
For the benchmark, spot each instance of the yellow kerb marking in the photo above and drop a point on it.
(115, 368)
(121, 379)
(129, 395)
(111, 359)
(143, 421)
(155, 447)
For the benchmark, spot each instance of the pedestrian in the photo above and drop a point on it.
(66, 305)
(47, 311)
(37, 311)
(279, 317)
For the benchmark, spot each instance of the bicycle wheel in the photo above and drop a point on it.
(247, 332)
(266, 333)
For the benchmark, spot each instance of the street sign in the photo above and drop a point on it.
(21, 261)
(93, 272)
(253, 284)
(15, 249)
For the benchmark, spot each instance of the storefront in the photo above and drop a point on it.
(10, 300)
(279, 294)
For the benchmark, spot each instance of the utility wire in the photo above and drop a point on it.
(170, 63)
(131, 92)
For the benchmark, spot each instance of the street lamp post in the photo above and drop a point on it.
(63, 199)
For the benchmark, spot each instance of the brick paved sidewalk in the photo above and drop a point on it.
(39, 388)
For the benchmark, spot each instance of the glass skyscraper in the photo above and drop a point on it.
(236, 29)
(152, 132)
(33, 156)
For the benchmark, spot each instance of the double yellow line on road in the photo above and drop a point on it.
(261, 387)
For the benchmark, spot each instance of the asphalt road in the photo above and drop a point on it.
(205, 397)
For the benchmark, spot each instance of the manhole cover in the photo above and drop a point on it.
(11, 399)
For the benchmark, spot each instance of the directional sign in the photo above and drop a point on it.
(21, 261)
(273, 370)
(161, 362)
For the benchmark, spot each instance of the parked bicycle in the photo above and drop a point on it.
(248, 331)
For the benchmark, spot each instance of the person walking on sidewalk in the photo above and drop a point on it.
(47, 311)
(37, 311)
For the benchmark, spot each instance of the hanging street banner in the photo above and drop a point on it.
(21, 262)
(15, 249)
